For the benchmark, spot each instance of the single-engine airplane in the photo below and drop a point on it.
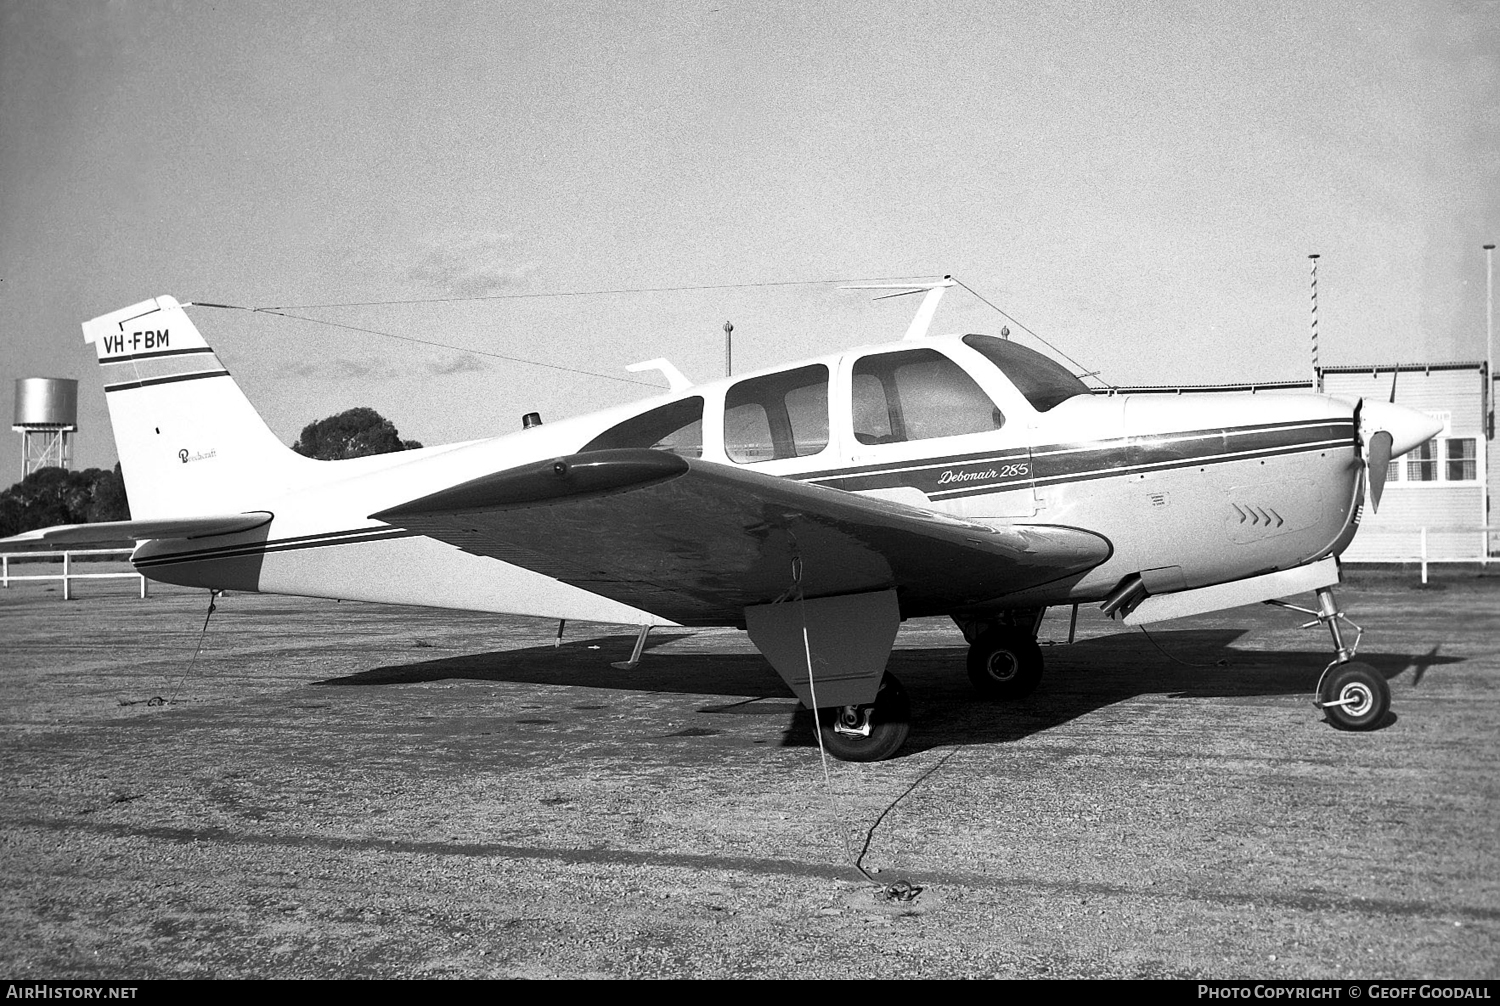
(816, 505)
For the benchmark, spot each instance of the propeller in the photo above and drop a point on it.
(1378, 453)
(1377, 465)
(1375, 455)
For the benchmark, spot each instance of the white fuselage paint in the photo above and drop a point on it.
(1207, 488)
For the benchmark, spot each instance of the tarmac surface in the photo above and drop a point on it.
(351, 790)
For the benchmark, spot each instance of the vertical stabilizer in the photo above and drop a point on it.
(189, 441)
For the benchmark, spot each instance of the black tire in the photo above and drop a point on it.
(1005, 664)
(889, 718)
(1355, 696)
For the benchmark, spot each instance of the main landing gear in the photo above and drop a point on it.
(1005, 661)
(870, 732)
(1353, 695)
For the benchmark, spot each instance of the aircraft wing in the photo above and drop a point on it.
(139, 530)
(698, 542)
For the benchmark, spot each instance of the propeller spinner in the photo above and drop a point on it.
(1388, 431)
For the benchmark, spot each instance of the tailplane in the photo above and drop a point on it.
(189, 440)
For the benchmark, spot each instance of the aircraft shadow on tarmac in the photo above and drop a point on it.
(1080, 678)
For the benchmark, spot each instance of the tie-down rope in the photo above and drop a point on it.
(795, 592)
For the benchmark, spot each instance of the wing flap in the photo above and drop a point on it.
(698, 542)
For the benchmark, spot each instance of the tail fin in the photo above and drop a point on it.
(189, 441)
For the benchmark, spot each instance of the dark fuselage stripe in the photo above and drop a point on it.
(1161, 466)
(127, 385)
(978, 473)
(283, 545)
(1086, 475)
(155, 354)
(1329, 427)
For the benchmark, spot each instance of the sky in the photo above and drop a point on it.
(1138, 183)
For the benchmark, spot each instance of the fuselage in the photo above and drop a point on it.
(1190, 490)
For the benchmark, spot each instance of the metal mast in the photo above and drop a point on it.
(1317, 377)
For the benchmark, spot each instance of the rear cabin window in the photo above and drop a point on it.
(777, 416)
(918, 394)
(676, 428)
(1045, 383)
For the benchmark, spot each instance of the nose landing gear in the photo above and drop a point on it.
(1351, 693)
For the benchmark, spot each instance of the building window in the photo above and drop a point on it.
(1422, 463)
(1461, 465)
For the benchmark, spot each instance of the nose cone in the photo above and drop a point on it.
(1408, 428)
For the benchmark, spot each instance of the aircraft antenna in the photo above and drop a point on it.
(420, 342)
(675, 379)
(923, 321)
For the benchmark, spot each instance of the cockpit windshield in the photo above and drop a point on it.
(1044, 382)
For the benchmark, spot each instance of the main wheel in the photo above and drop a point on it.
(1355, 696)
(1005, 664)
(872, 732)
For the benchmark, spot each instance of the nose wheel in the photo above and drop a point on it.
(1351, 693)
(1355, 696)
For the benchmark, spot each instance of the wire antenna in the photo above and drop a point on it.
(1029, 331)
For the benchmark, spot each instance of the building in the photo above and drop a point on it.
(1440, 486)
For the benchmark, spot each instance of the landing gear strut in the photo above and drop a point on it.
(1005, 661)
(1354, 695)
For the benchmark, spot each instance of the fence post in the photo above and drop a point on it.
(1424, 554)
(67, 581)
(143, 586)
(5, 571)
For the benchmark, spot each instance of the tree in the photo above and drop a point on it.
(352, 434)
(57, 496)
(109, 501)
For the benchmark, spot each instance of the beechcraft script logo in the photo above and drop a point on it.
(185, 457)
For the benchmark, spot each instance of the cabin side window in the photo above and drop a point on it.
(676, 428)
(918, 394)
(777, 416)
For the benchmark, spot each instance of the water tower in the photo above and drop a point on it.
(46, 418)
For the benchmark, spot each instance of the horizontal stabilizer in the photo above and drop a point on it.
(140, 530)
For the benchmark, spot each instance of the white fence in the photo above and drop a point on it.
(1418, 553)
(1428, 544)
(67, 576)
